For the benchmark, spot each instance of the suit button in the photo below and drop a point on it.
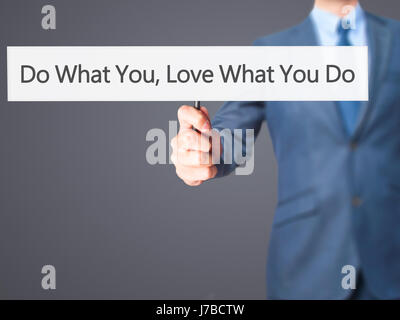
(353, 145)
(356, 201)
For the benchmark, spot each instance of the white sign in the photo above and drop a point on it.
(187, 73)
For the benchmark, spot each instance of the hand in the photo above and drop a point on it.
(192, 151)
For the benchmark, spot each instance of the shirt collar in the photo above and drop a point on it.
(328, 22)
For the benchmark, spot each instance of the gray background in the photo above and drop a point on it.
(75, 188)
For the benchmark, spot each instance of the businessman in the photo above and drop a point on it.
(339, 166)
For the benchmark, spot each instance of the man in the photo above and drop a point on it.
(339, 166)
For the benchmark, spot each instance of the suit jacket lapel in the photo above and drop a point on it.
(379, 40)
(329, 110)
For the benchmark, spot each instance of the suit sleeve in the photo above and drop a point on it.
(239, 116)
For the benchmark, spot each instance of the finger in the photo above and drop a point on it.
(193, 158)
(204, 110)
(189, 139)
(193, 183)
(191, 117)
(196, 174)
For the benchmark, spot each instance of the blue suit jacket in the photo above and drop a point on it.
(338, 196)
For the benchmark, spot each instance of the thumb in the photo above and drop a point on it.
(205, 111)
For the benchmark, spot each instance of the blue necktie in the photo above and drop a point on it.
(348, 109)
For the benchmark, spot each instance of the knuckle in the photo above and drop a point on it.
(205, 144)
(182, 111)
(188, 138)
(198, 158)
(204, 158)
